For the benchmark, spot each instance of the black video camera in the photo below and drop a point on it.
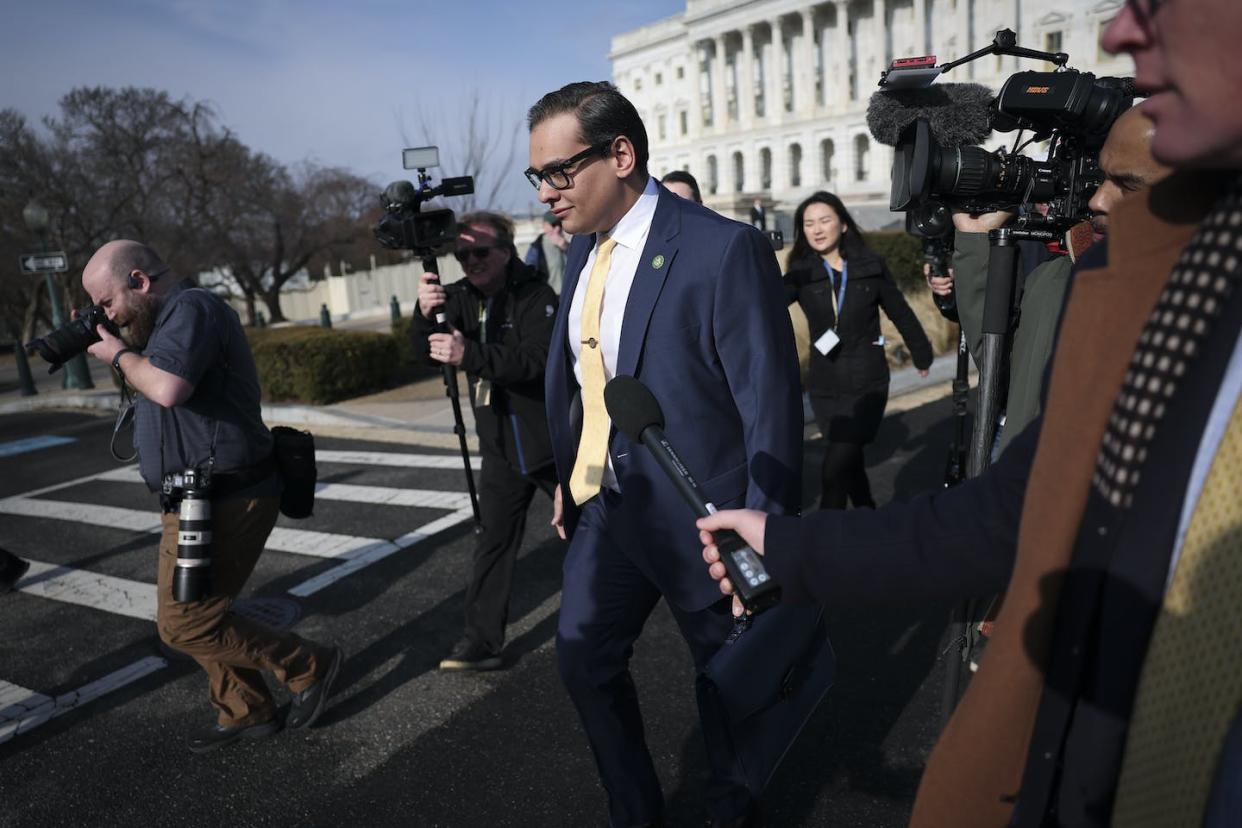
(1072, 110)
(405, 225)
(73, 337)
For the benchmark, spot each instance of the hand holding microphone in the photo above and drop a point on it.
(723, 530)
(636, 413)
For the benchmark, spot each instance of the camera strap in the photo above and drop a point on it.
(124, 417)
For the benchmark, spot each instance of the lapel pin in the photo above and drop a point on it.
(658, 261)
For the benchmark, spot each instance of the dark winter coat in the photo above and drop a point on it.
(519, 328)
(849, 386)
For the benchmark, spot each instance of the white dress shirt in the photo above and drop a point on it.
(631, 236)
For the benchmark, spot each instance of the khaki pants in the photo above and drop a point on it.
(232, 650)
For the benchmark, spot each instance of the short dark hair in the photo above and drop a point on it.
(852, 243)
(684, 177)
(603, 114)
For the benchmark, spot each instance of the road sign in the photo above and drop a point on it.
(54, 262)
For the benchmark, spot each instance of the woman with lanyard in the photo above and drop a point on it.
(841, 285)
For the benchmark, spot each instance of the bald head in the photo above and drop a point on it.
(1127, 164)
(122, 279)
(120, 259)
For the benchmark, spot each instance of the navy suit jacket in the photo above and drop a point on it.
(707, 330)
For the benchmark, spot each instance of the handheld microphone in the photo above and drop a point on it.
(959, 114)
(636, 414)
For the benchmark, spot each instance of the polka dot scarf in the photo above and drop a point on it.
(1201, 282)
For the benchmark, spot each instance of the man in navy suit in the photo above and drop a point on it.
(689, 302)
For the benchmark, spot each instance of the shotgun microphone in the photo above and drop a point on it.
(637, 414)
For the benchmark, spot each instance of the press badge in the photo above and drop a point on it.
(482, 393)
(827, 342)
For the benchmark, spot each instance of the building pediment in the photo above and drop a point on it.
(1051, 19)
(1107, 6)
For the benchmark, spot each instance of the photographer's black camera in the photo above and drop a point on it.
(72, 338)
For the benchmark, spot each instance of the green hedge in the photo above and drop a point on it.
(904, 255)
(319, 365)
(401, 333)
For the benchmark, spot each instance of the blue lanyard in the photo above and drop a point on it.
(845, 277)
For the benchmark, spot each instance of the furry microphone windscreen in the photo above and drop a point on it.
(959, 114)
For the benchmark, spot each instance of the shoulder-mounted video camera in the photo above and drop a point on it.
(405, 225)
(935, 130)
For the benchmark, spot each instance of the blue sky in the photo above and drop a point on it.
(338, 83)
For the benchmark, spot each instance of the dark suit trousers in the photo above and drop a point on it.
(504, 497)
(605, 602)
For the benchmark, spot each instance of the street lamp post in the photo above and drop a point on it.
(77, 375)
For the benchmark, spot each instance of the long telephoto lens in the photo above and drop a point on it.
(73, 337)
(192, 575)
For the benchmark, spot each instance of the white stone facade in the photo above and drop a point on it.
(768, 98)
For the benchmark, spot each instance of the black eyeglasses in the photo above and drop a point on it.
(558, 176)
(478, 253)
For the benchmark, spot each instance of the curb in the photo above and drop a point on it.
(338, 420)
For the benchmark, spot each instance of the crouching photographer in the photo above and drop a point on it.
(201, 442)
(499, 324)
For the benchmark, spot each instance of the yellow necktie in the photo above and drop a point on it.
(1191, 685)
(588, 473)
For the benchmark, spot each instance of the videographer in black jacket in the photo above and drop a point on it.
(501, 323)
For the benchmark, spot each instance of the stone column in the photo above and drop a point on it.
(922, 46)
(871, 69)
(720, 100)
(701, 62)
(746, 78)
(841, 49)
(804, 67)
(775, 107)
(963, 45)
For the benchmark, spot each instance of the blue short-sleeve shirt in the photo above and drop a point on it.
(200, 339)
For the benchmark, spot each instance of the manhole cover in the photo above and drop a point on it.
(277, 613)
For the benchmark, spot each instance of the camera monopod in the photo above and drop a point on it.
(997, 316)
(406, 226)
(451, 391)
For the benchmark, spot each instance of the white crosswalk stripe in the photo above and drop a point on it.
(35, 709)
(366, 557)
(90, 589)
(385, 495)
(113, 517)
(397, 459)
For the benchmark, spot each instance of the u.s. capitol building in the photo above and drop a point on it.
(767, 98)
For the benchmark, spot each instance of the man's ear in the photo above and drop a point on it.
(623, 156)
(136, 279)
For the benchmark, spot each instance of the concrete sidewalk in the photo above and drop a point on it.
(418, 413)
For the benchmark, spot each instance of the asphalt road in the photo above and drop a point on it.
(93, 717)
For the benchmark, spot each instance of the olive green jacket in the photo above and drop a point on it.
(1039, 311)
